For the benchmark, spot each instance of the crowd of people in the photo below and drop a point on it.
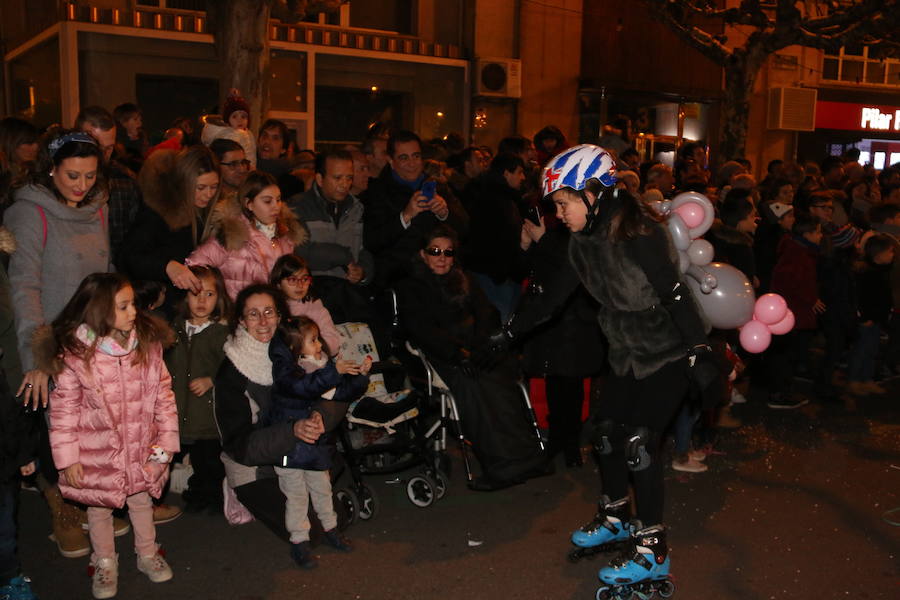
(179, 298)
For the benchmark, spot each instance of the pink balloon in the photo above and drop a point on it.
(770, 309)
(755, 337)
(691, 213)
(784, 325)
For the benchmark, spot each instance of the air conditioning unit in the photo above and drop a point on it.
(498, 77)
(792, 108)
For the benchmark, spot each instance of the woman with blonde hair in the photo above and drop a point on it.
(179, 191)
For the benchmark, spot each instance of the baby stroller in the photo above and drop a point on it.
(389, 432)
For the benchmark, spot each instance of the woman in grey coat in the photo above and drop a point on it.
(59, 222)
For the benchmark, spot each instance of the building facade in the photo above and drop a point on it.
(481, 68)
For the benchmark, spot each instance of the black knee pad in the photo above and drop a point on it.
(636, 444)
(602, 437)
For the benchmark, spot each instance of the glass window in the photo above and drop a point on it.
(288, 88)
(875, 72)
(893, 74)
(852, 70)
(830, 68)
(34, 84)
(387, 15)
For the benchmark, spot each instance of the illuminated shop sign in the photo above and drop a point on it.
(857, 117)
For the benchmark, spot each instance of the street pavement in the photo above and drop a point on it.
(801, 504)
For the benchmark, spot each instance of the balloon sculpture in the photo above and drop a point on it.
(723, 292)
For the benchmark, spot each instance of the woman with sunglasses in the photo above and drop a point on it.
(447, 316)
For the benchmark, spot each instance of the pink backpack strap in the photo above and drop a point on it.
(43, 224)
(102, 219)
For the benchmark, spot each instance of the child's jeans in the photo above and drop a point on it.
(298, 487)
(684, 427)
(861, 366)
(9, 558)
(100, 527)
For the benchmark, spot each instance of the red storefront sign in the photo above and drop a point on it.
(857, 117)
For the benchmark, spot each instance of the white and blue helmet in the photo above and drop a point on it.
(574, 167)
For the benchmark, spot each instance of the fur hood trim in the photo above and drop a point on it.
(730, 235)
(7, 241)
(234, 231)
(159, 193)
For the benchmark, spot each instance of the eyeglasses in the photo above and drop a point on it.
(255, 315)
(243, 164)
(303, 279)
(823, 206)
(434, 251)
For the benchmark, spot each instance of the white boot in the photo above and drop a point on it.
(154, 567)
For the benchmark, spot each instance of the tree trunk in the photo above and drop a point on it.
(241, 34)
(740, 76)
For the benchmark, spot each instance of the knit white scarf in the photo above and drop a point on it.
(249, 356)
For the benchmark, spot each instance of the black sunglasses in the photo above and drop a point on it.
(244, 164)
(433, 251)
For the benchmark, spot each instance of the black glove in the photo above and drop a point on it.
(500, 340)
(468, 369)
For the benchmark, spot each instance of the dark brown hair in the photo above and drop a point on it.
(223, 304)
(240, 303)
(295, 329)
(74, 149)
(93, 304)
(256, 182)
(287, 265)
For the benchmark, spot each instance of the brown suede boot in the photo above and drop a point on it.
(67, 532)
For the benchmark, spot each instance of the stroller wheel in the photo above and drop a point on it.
(348, 500)
(368, 502)
(421, 490)
(440, 487)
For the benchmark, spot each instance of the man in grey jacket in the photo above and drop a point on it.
(339, 264)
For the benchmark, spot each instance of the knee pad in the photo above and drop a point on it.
(636, 454)
(602, 436)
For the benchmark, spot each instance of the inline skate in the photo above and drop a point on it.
(642, 569)
(605, 533)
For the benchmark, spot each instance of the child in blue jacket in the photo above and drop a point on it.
(304, 376)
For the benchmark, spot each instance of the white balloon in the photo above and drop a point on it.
(701, 252)
(680, 235)
(709, 213)
(731, 303)
(684, 261)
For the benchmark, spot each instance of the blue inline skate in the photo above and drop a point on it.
(605, 533)
(642, 569)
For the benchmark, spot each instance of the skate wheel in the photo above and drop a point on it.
(440, 481)
(421, 490)
(368, 502)
(604, 593)
(666, 588)
(349, 502)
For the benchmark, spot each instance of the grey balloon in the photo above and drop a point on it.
(730, 304)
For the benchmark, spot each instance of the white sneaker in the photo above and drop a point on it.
(737, 397)
(105, 579)
(689, 465)
(698, 455)
(154, 567)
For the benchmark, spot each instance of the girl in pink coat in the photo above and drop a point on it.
(291, 275)
(245, 247)
(113, 422)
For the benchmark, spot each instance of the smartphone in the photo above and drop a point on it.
(534, 215)
(428, 190)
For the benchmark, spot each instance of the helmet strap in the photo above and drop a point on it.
(593, 211)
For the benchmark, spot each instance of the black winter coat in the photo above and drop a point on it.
(18, 433)
(384, 235)
(734, 248)
(150, 245)
(571, 344)
(492, 246)
(444, 315)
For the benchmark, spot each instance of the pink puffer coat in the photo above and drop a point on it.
(106, 416)
(243, 253)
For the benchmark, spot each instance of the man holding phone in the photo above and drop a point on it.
(402, 205)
